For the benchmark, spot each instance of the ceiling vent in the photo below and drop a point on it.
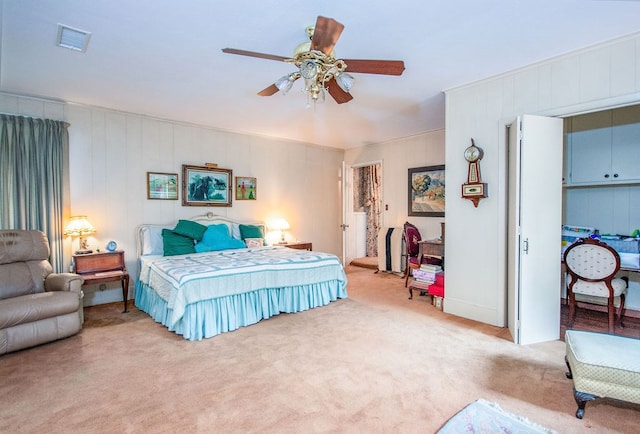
(73, 39)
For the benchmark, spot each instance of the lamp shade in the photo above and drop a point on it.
(285, 83)
(279, 224)
(79, 226)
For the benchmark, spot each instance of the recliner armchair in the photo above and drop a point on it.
(36, 305)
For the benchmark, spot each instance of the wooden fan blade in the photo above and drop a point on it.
(385, 67)
(337, 93)
(326, 34)
(268, 91)
(254, 54)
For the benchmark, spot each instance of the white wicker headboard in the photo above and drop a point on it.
(149, 236)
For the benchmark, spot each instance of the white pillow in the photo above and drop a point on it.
(235, 231)
(152, 240)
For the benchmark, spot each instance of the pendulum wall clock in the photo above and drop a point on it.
(474, 189)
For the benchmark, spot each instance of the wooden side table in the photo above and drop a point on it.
(299, 245)
(103, 267)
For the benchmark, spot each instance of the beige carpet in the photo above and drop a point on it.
(375, 362)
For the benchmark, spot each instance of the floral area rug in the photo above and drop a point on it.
(487, 417)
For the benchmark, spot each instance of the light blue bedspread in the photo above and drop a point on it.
(204, 294)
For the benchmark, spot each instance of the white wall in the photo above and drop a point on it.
(111, 152)
(397, 158)
(598, 77)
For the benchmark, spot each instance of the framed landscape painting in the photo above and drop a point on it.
(162, 186)
(426, 191)
(246, 188)
(206, 186)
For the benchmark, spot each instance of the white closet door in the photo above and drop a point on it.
(535, 216)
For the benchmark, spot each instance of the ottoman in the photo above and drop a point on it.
(602, 366)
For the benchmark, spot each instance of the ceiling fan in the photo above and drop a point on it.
(318, 66)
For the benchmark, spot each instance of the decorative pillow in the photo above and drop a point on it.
(251, 231)
(152, 243)
(254, 242)
(188, 228)
(176, 244)
(217, 237)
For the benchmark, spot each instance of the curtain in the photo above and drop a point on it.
(32, 156)
(371, 193)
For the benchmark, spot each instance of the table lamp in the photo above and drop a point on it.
(280, 225)
(79, 226)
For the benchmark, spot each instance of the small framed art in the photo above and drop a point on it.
(426, 191)
(246, 188)
(206, 186)
(162, 185)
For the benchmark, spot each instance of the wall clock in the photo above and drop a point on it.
(474, 189)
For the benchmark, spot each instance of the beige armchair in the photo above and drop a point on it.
(36, 305)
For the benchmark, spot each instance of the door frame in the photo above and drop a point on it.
(348, 237)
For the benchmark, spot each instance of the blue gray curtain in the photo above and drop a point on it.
(32, 157)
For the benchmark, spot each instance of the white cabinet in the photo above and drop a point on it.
(603, 147)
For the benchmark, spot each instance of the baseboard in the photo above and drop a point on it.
(581, 305)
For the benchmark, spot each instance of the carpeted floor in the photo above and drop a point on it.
(375, 362)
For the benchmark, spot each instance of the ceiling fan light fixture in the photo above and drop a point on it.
(309, 69)
(285, 83)
(318, 64)
(345, 81)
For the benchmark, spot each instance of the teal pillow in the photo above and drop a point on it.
(251, 231)
(176, 244)
(190, 229)
(217, 237)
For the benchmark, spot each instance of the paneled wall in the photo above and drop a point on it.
(397, 157)
(595, 78)
(111, 152)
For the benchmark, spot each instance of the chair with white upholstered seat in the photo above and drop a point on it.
(592, 266)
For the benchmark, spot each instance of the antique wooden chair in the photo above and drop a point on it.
(592, 265)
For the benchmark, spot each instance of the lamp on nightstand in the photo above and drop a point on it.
(79, 226)
(280, 225)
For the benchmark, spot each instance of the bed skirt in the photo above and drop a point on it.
(207, 318)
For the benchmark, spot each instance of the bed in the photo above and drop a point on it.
(202, 294)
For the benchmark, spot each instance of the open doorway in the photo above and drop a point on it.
(367, 213)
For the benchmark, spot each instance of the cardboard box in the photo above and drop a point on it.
(438, 302)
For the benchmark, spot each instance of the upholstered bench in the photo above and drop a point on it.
(602, 366)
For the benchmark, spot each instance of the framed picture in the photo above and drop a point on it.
(426, 191)
(246, 188)
(162, 185)
(206, 186)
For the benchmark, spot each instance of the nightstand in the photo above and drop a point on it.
(299, 245)
(103, 267)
